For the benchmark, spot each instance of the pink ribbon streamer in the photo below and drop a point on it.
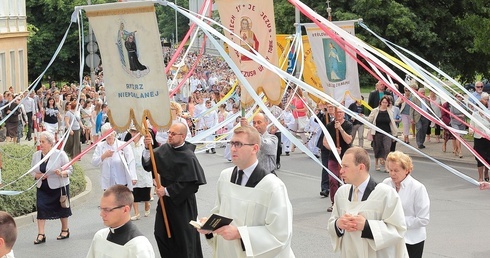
(344, 44)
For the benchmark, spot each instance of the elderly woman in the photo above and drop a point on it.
(117, 166)
(414, 198)
(51, 182)
(481, 143)
(383, 118)
(175, 113)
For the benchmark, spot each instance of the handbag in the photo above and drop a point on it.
(64, 200)
(369, 136)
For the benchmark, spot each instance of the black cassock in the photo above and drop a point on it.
(181, 174)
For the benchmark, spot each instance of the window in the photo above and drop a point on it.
(12, 70)
(22, 69)
(3, 72)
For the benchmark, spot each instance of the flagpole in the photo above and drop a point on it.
(157, 180)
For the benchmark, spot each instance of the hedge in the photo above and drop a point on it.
(16, 162)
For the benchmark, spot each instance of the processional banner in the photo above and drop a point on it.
(132, 56)
(337, 71)
(253, 23)
(309, 72)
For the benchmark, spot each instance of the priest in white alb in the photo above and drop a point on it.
(367, 218)
(256, 200)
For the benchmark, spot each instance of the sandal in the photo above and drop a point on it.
(40, 241)
(61, 236)
(378, 168)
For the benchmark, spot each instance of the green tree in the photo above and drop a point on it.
(451, 34)
(166, 21)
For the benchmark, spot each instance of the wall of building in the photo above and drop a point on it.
(13, 45)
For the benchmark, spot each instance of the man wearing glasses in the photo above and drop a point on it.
(180, 178)
(477, 93)
(256, 200)
(122, 238)
(268, 142)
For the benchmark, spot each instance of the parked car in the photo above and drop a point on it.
(471, 86)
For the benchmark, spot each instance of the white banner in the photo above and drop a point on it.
(132, 56)
(336, 69)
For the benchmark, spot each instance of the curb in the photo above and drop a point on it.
(82, 197)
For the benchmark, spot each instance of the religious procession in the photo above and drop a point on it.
(267, 147)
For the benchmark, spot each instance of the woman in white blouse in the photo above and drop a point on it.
(117, 166)
(415, 200)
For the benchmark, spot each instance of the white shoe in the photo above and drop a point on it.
(147, 212)
(135, 217)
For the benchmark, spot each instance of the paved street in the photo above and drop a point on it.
(458, 227)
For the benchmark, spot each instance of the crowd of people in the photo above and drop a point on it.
(392, 214)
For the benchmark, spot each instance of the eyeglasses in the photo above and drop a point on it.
(108, 210)
(240, 144)
(478, 87)
(174, 133)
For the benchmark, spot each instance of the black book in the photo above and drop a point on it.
(214, 222)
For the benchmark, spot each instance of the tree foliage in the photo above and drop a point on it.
(451, 34)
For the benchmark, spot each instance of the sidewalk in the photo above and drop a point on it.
(432, 149)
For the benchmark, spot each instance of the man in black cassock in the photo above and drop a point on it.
(180, 176)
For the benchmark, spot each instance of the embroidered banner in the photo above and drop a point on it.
(129, 42)
(254, 22)
(337, 71)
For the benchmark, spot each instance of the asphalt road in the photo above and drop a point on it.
(458, 227)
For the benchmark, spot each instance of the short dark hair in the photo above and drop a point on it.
(8, 229)
(121, 193)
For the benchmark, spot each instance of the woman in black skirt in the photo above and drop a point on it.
(51, 182)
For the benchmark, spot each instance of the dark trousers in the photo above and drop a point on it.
(421, 127)
(324, 156)
(334, 167)
(30, 125)
(279, 147)
(416, 250)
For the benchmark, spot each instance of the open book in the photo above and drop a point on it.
(214, 222)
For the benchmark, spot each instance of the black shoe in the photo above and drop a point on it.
(207, 151)
(278, 165)
(324, 193)
(421, 146)
(213, 151)
(61, 237)
(287, 153)
(330, 209)
(40, 241)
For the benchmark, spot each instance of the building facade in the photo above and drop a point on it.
(13, 45)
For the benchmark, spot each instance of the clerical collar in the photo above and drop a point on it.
(115, 230)
(123, 234)
(176, 147)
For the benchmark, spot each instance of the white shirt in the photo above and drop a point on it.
(416, 205)
(247, 172)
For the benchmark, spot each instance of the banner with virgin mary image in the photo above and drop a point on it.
(132, 57)
(337, 71)
(253, 24)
